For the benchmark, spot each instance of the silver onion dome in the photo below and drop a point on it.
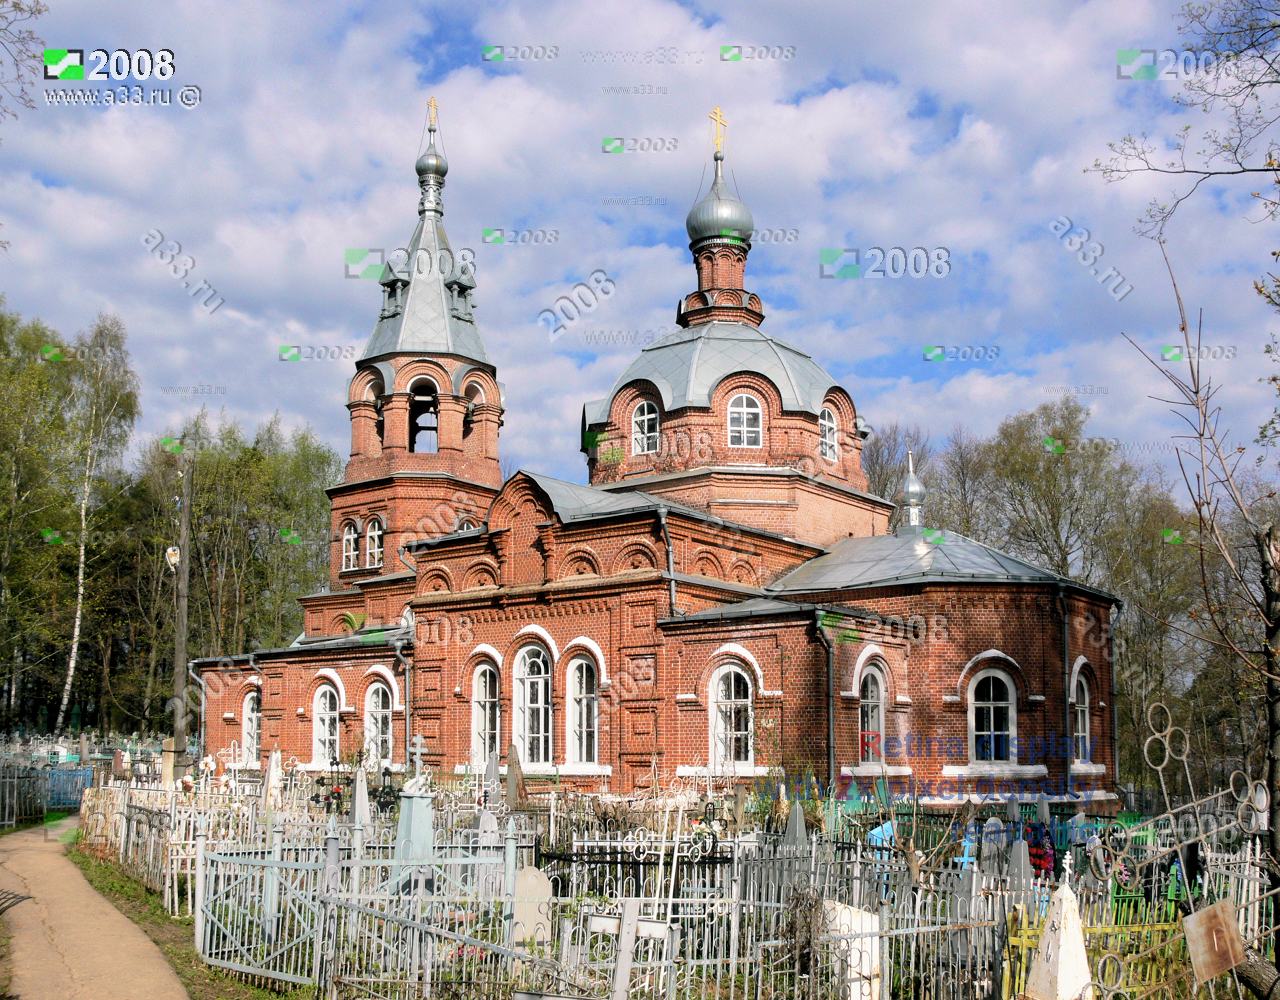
(719, 213)
(432, 162)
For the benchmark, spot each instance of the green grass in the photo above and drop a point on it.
(174, 937)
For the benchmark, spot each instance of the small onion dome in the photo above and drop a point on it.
(432, 163)
(719, 213)
(912, 489)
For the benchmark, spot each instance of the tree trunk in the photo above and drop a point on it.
(75, 628)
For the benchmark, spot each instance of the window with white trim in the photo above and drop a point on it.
(350, 546)
(584, 709)
(485, 717)
(992, 718)
(324, 725)
(871, 715)
(732, 719)
(745, 422)
(251, 729)
(827, 435)
(644, 429)
(373, 543)
(377, 723)
(533, 705)
(1080, 720)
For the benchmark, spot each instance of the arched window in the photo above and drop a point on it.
(732, 719)
(1080, 719)
(377, 724)
(324, 725)
(745, 422)
(533, 734)
(424, 416)
(251, 729)
(350, 546)
(644, 429)
(871, 715)
(465, 524)
(373, 543)
(484, 714)
(583, 713)
(827, 435)
(992, 718)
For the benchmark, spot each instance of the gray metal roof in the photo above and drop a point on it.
(908, 558)
(687, 365)
(436, 314)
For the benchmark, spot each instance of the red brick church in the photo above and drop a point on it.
(723, 599)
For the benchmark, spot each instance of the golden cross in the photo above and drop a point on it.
(718, 117)
(431, 111)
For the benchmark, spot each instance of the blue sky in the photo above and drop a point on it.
(943, 129)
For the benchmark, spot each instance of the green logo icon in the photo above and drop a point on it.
(64, 64)
(1054, 446)
(493, 236)
(611, 144)
(353, 257)
(1171, 536)
(171, 445)
(610, 455)
(376, 637)
(935, 352)
(1171, 353)
(835, 262)
(1126, 58)
(590, 439)
(731, 53)
(290, 352)
(50, 536)
(935, 536)
(290, 537)
(51, 352)
(492, 53)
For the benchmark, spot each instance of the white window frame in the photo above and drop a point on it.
(373, 536)
(1012, 704)
(743, 406)
(486, 713)
(350, 546)
(1080, 722)
(378, 730)
(251, 728)
(534, 734)
(583, 711)
(871, 672)
(645, 428)
(720, 758)
(326, 726)
(828, 432)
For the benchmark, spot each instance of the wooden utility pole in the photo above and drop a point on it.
(186, 473)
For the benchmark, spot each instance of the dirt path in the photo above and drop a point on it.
(68, 942)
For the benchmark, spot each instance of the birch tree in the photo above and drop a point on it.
(103, 406)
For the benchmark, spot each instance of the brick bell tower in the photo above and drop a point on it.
(425, 403)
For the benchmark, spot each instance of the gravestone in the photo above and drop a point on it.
(856, 960)
(119, 764)
(531, 908)
(1060, 967)
(991, 849)
(489, 837)
(795, 835)
(166, 762)
(516, 795)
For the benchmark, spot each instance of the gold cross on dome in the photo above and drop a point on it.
(431, 111)
(721, 122)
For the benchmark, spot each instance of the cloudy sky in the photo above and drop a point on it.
(959, 126)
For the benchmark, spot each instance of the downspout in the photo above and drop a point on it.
(1111, 696)
(1066, 690)
(411, 566)
(407, 664)
(671, 562)
(831, 702)
(199, 681)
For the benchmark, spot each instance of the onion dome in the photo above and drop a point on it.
(719, 214)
